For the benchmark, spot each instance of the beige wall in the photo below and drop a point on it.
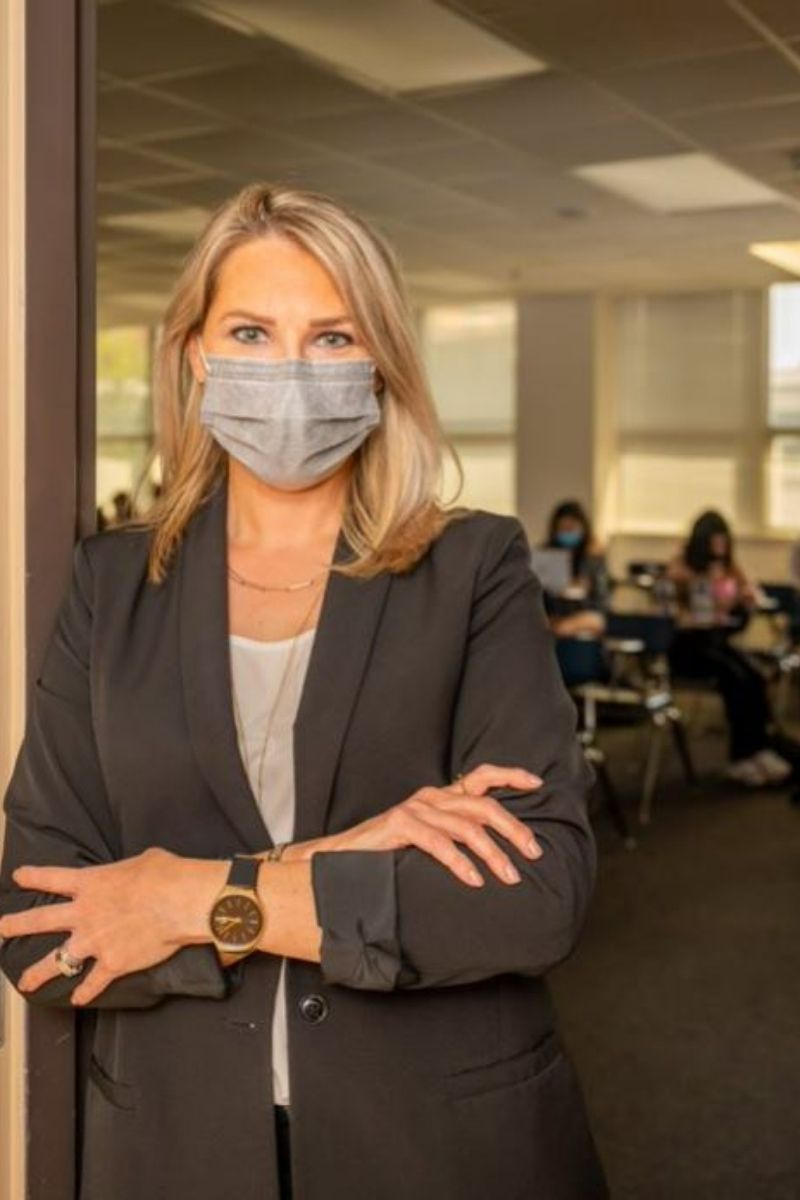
(11, 536)
(557, 384)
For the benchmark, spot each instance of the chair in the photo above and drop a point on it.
(582, 663)
(645, 573)
(782, 659)
(638, 682)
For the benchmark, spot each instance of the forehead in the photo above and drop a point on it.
(274, 270)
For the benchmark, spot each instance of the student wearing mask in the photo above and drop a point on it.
(580, 611)
(716, 599)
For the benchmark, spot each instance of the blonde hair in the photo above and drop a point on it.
(393, 511)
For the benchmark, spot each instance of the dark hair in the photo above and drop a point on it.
(697, 551)
(575, 511)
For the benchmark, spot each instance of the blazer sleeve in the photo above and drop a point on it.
(57, 814)
(400, 919)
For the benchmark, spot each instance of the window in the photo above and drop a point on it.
(470, 356)
(124, 416)
(690, 428)
(783, 406)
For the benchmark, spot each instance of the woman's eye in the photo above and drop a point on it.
(252, 331)
(332, 340)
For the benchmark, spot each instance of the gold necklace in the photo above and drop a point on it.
(264, 587)
(238, 716)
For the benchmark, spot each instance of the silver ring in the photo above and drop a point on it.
(68, 965)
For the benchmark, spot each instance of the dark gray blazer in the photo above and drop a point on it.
(424, 1057)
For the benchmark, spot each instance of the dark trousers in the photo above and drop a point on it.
(704, 654)
(282, 1123)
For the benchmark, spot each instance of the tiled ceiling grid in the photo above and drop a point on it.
(472, 184)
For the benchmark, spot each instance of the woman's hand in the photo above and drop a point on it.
(127, 915)
(436, 819)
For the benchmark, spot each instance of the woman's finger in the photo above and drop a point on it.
(90, 987)
(478, 781)
(484, 810)
(42, 918)
(471, 834)
(39, 973)
(62, 880)
(491, 812)
(441, 846)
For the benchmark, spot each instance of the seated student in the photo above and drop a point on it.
(715, 599)
(580, 611)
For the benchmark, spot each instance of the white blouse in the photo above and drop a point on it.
(257, 669)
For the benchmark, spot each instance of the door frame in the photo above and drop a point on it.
(59, 504)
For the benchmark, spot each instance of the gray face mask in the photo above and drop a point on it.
(292, 422)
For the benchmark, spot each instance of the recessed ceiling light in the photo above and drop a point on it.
(785, 255)
(679, 183)
(398, 47)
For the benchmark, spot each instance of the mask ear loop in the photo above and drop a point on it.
(378, 383)
(203, 358)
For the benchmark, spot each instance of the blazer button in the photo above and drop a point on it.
(313, 1009)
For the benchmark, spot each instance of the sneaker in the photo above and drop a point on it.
(776, 769)
(748, 771)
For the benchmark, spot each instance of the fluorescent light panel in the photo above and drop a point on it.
(170, 222)
(679, 183)
(399, 47)
(785, 255)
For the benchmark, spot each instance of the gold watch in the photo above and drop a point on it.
(237, 917)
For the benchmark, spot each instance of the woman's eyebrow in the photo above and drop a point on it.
(318, 322)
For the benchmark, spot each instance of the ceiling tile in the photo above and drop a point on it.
(590, 35)
(754, 125)
(115, 166)
(553, 197)
(782, 16)
(127, 114)
(521, 108)
(768, 162)
(387, 128)
(604, 143)
(109, 203)
(268, 90)
(242, 152)
(737, 78)
(463, 160)
(207, 193)
(137, 38)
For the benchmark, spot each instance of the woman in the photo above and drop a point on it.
(302, 646)
(716, 599)
(581, 611)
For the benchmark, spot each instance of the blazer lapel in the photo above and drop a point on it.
(348, 622)
(347, 625)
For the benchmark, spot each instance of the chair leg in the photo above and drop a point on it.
(652, 769)
(678, 728)
(615, 810)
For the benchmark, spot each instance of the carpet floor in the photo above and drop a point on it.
(681, 1005)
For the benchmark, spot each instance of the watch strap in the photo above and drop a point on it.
(244, 872)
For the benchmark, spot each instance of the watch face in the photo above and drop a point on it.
(236, 920)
